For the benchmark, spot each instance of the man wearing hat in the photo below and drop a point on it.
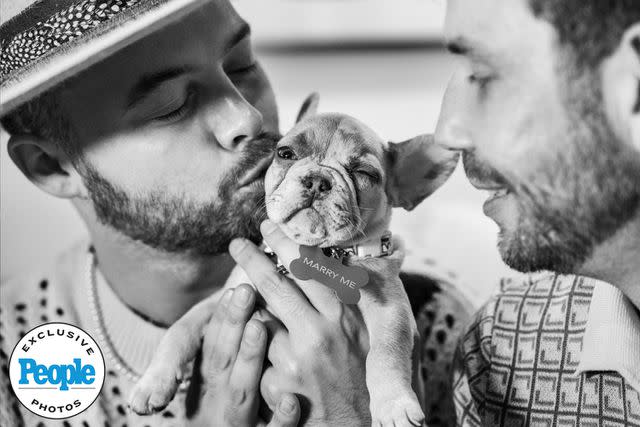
(155, 120)
(161, 148)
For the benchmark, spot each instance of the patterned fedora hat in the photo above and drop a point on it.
(43, 42)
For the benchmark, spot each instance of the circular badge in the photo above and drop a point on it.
(56, 370)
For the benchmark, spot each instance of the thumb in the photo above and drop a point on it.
(287, 413)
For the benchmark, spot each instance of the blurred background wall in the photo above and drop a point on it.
(380, 61)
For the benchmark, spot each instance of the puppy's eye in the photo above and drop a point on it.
(372, 176)
(286, 153)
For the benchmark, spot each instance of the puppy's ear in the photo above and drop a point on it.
(417, 168)
(309, 107)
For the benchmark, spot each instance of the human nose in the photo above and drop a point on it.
(233, 120)
(452, 131)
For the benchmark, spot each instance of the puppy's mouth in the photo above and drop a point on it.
(306, 226)
(309, 224)
(314, 207)
(287, 215)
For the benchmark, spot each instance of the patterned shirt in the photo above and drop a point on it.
(536, 356)
(60, 292)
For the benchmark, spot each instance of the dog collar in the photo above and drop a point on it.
(371, 248)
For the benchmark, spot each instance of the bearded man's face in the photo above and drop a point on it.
(175, 133)
(533, 129)
(175, 223)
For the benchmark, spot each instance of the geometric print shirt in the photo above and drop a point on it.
(520, 363)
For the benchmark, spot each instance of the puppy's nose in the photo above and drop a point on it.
(317, 183)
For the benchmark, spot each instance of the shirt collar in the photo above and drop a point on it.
(612, 336)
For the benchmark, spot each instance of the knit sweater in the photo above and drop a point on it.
(62, 291)
(550, 351)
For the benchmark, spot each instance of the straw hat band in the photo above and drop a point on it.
(19, 50)
(45, 42)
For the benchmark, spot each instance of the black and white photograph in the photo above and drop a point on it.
(280, 213)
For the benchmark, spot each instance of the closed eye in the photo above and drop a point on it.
(358, 168)
(372, 175)
(244, 70)
(179, 112)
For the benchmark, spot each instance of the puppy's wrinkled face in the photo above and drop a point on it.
(326, 186)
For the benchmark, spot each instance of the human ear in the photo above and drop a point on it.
(44, 164)
(417, 168)
(309, 107)
(621, 88)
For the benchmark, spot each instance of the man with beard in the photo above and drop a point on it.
(162, 149)
(546, 109)
(161, 144)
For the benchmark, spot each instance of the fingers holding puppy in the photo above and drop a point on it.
(217, 326)
(180, 345)
(287, 413)
(281, 295)
(222, 340)
(232, 366)
(232, 388)
(293, 301)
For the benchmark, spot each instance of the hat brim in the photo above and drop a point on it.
(92, 47)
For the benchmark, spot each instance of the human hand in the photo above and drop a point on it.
(318, 345)
(233, 350)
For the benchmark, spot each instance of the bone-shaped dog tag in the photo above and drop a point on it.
(346, 281)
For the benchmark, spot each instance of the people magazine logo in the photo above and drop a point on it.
(57, 370)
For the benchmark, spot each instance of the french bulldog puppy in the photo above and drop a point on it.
(333, 184)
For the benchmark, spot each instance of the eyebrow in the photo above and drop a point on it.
(355, 161)
(243, 31)
(359, 152)
(149, 82)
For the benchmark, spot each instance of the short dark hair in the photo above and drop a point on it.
(43, 117)
(593, 29)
